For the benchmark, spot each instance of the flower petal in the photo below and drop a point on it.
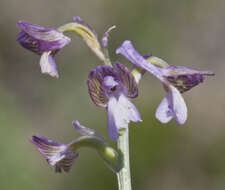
(56, 154)
(48, 65)
(128, 80)
(128, 51)
(179, 107)
(39, 39)
(163, 112)
(87, 131)
(49, 149)
(184, 78)
(120, 113)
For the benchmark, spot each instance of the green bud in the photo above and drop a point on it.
(87, 35)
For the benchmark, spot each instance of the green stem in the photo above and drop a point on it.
(123, 176)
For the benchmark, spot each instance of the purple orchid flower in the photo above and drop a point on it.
(42, 41)
(62, 156)
(175, 79)
(111, 88)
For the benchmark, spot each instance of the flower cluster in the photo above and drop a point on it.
(110, 86)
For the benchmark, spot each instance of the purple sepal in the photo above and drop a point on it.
(38, 39)
(127, 50)
(128, 80)
(94, 82)
(184, 78)
(87, 131)
(59, 155)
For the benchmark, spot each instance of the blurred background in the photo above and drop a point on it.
(188, 33)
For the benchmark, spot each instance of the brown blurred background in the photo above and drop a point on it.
(189, 33)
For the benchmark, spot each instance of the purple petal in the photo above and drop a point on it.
(120, 113)
(48, 65)
(56, 154)
(179, 107)
(109, 82)
(163, 112)
(128, 51)
(184, 78)
(39, 39)
(86, 131)
(49, 149)
(128, 80)
(106, 36)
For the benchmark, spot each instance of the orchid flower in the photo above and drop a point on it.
(62, 156)
(175, 79)
(42, 41)
(111, 88)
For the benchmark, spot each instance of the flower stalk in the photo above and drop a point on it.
(123, 176)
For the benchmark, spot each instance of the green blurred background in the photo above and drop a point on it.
(187, 32)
